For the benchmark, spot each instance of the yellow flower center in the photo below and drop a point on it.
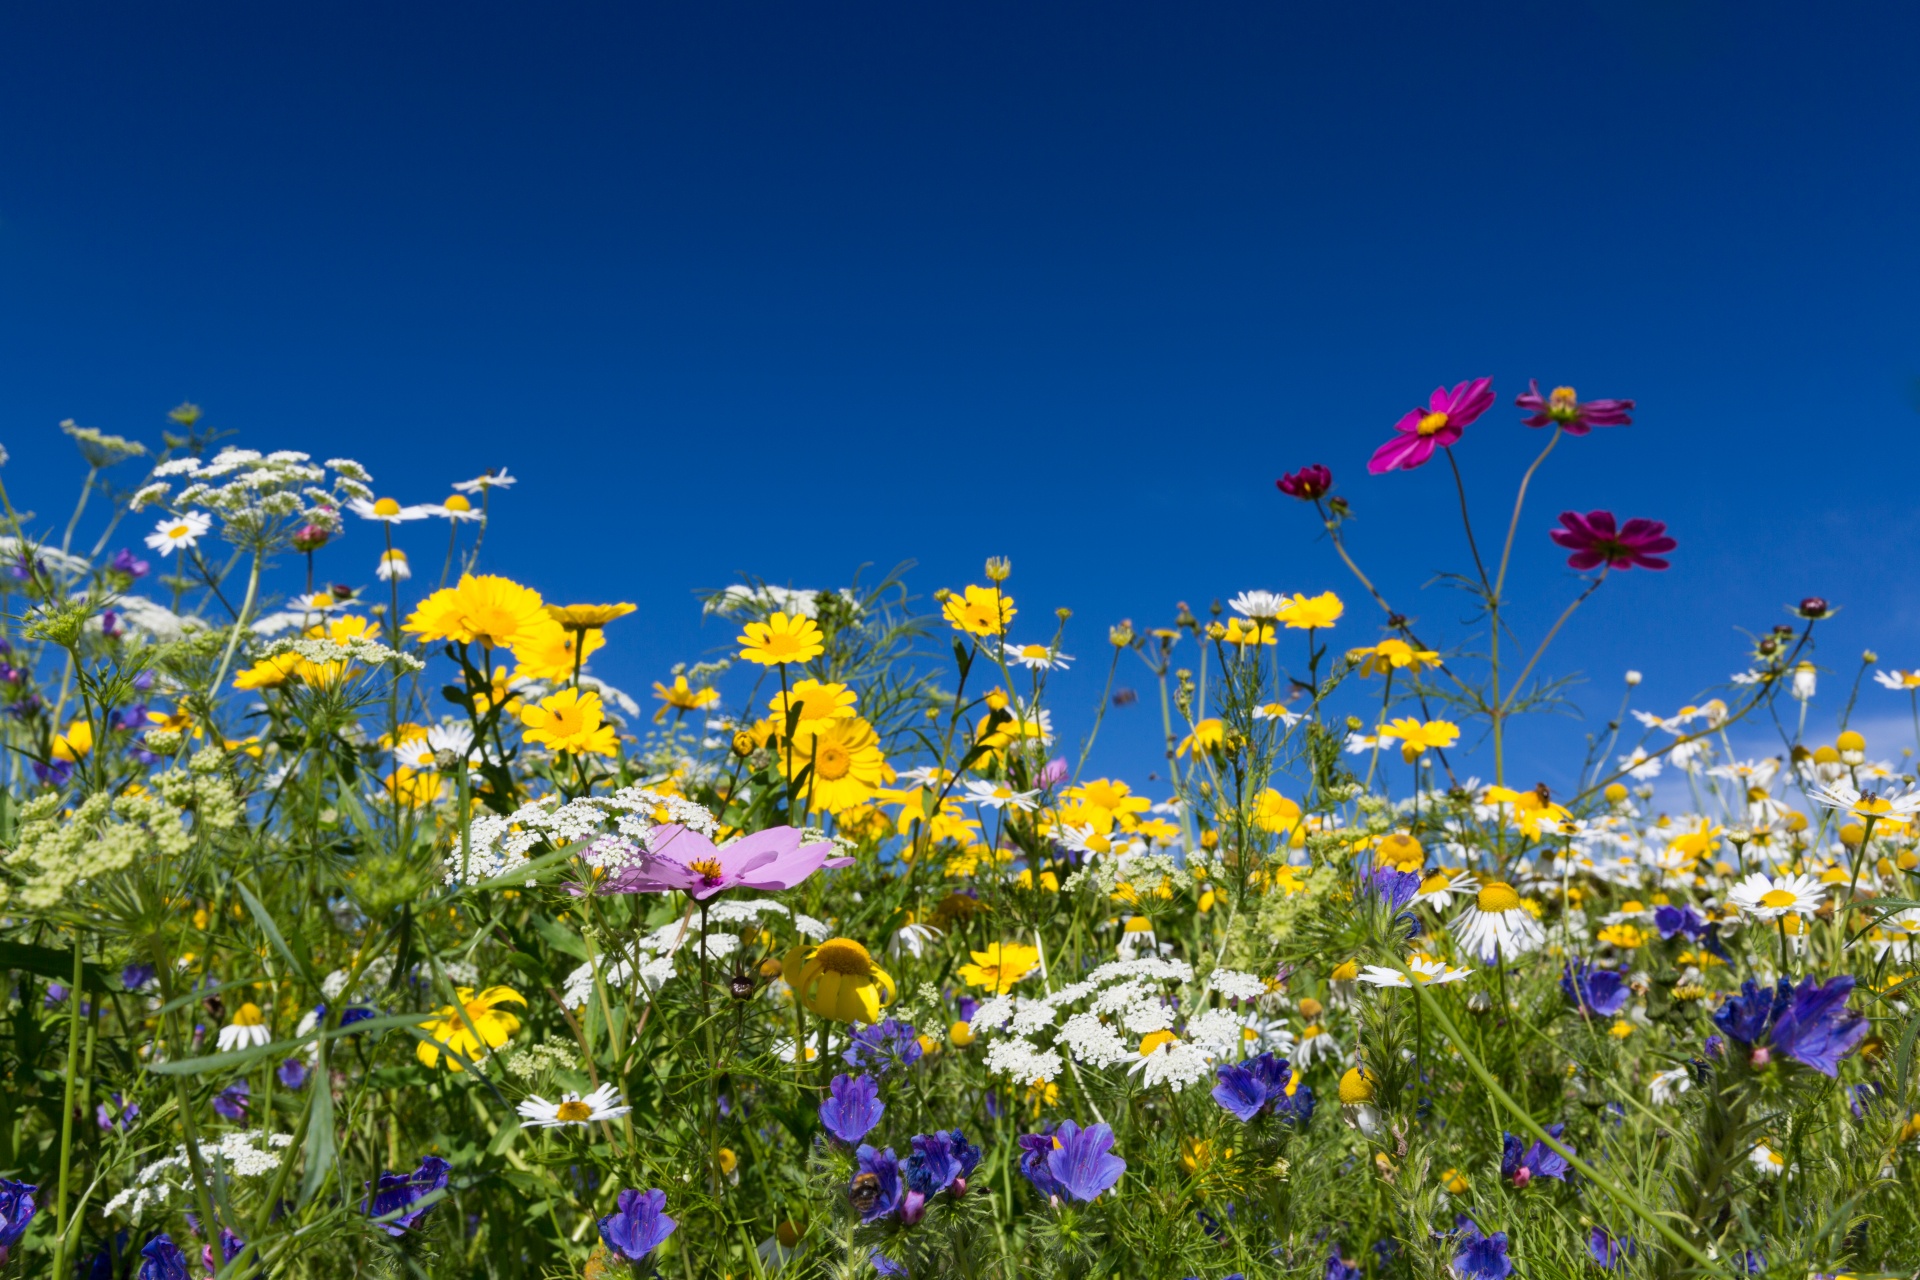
(831, 762)
(1498, 897)
(457, 502)
(845, 956)
(708, 869)
(1777, 898)
(249, 1015)
(1432, 423)
(178, 531)
(1154, 1039)
(386, 507)
(573, 1110)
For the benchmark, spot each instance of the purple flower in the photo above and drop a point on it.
(1609, 1250)
(1306, 484)
(1034, 1150)
(17, 1208)
(913, 1207)
(1595, 539)
(1595, 992)
(1339, 1268)
(1537, 1161)
(680, 858)
(124, 561)
(1422, 431)
(853, 1109)
(1561, 408)
(293, 1073)
(638, 1224)
(54, 773)
(885, 1266)
(882, 1044)
(57, 993)
(1259, 1085)
(938, 1160)
(397, 1198)
(230, 1247)
(121, 1116)
(875, 1189)
(231, 1101)
(1481, 1257)
(1394, 888)
(1809, 1023)
(164, 1261)
(1052, 773)
(1685, 920)
(1081, 1161)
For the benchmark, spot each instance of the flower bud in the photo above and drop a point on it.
(310, 537)
(999, 568)
(1814, 608)
(1634, 677)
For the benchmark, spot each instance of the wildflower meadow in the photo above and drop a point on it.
(354, 926)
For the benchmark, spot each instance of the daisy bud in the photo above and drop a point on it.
(999, 568)
(1633, 678)
(1479, 1002)
(1869, 657)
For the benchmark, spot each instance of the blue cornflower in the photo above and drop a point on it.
(883, 1044)
(1809, 1023)
(1481, 1257)
(1595, 992)
(1537, 1161)
(17, 1208)
(853, 1109)
(398, 1195)
(638, 1224)
(164, 1261)
(938, 1160)
(1339, 1268)
(1609, 1250)
(875, 1189)
(1081, 1161)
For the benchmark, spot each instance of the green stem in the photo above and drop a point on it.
(66, 1110)
(233, 638)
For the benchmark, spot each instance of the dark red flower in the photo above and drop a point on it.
(1594, 539)
(1307, 483)
(1563, 409)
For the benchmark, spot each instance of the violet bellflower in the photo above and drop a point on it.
(883, 1044)
(230, 1247)
(637, 1225)
(1338, 1268)
(679, 858)
(1809, 1023)
(1595, 992)
(163, 1260)
(1596, 539)
(1562, 408)
(1481, 1257)
(876, 1186)
(1260, 1086)
(1081, 1160)
(1670, 920)
(397, 1198)
(852, 1108)
(1608, 1249)
(1034, 1150)
(939, 1161)
(231, 1101)
(1537, 1161)
(1421, 431)
(17, 1208)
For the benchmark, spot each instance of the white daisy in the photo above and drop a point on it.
(1496, 926)
(1641, 766)
(1313, 1045)
(176, 533)
(486, 480)
(1842, 796)
(248, 1030)
(911, 939)
(1264, 605)
(393, 564)
(1767, 1160)
(1668, 1085)
(1428, 972)
(998, 795)
(1035, 657)
(454, 508)
(1769, 899)
(1897, 679)
(386, 510)
(1276, 711)
(1361, 743)
(415, 754)
(1438, 889)
(1177, 1063)
(537, 1113)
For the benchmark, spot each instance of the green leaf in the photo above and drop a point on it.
(320, 1146)
(282, 1048)
(268, 927)
(58, 965)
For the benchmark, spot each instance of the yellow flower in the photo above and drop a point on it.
(1621, 1029)
(1401, 852)
(781, 639)
(175, 721)
(75, 742)
(980, 611)
(587, 617)
(1100, 804)
(1206, 735)
(846, 762)
(570, 721)
(818, 704)
(1197, 1153)
(960, 1035)
(448, 1028)
(1624, 936)
(1154, 1039)
(413, 788)
(548, 652)
(1302, 612)
(681, 696)
(1244, 634)
(838, 980)
(1455, 1182)
(1346, 971)
(269, 673)
(1356, 1086)
(1415, 737)
(1000, 966)
(1391, 655)
(486, 610)
(1275, 813)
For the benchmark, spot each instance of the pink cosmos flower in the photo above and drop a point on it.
(1307, 483)
(680, 858)
(1593, 539)
(1447, 414)
(1574, 416)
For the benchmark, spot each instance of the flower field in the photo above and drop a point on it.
(364, 930)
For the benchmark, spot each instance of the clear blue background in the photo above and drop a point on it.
(786, 288)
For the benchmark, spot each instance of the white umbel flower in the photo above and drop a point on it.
(1769, 899)
(602, 1104)
(1495, 925)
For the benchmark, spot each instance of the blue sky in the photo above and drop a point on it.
(788, 289)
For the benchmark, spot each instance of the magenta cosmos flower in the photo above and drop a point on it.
(680, 858)
(1307, 483)
(1575, 416)
(1447, 414)
(1594, 539)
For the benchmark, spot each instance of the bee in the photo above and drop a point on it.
(864, 1193)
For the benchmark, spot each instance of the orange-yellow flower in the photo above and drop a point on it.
(980, 611)
(681, 696)
(781, 639)
(587, 617)
(570, 721)
(486, 610)
(1301, 612)
(1000, 966)
(491, 1026)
